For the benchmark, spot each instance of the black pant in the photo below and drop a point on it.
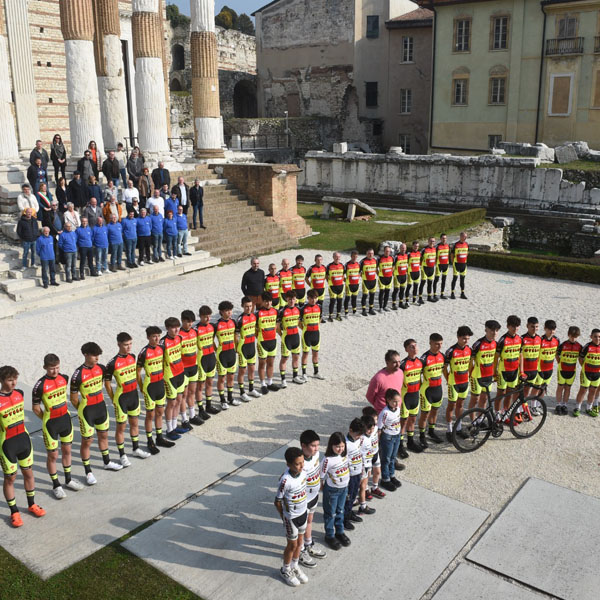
(86, 254)
(144, 244)
(59, 167)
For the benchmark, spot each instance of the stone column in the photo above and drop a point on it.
(110, 72)
(77, 25)
(8, 138)
(149, 78)
(205, 81)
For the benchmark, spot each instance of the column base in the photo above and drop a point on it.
(209, 153)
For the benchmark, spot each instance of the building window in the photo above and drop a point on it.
(566, 27)
(407, 49)
(560, 99)
(497, 90)
(596, 101)
(460, 92)
(494, 140)
(405, 101)
(371, 93)
(499, 33)
(462, 35)
(377, 128)
(404, 142)
(373, 26)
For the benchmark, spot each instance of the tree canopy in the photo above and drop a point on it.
(175, 17)
(229, 19)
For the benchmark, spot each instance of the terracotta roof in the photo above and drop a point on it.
(418, 14)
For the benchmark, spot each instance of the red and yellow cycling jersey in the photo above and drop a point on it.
(368, 269)
(484, 353)
(414, 262)
(548, 349)
(433, 367)
(443, 254)
(458, 360)
(286, 281)
(225, 333)
(298, 278)
(568, 355)
(206, 335)
(385, 266)
(530, 349)
(335, 274)
(52, 393)
(428, 257)
(460, 253)
(266, 322)
(401, 265)
(189, 346)
(509, 349)
(172, 362)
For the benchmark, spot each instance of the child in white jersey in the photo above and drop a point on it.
(309, 440)
(354, 448)
(388, 424)
(290, 503)
(368, 452)
(375, 490)
(335, 474)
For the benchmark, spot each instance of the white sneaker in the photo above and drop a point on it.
(255, 393)
(90, 479)
(283, 384)
(74, 485)
(304, 378)
(113, 466)
(306, 560)
(125, 462)
(298, 379)
(141, 453)
(224, 406)
(99, 273)
(106, 271)
(59, 493)
(245, 397)
(319, 376)
(141, 263)
(235, 402)
(289, 576)
(300, 574)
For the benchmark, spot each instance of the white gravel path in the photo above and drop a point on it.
(566, 452)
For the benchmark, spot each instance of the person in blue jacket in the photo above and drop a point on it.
(182, 232)
(170, 233)
(144, 233)
(86, 250)
(100, 242)
(157, 234)
(67, 242)
(115, 244)
(171, 203)
(130, 236)
(44, 246)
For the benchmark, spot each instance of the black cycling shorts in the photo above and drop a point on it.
(61, 427)
(208, 362)
(156, 390)
(411, 400)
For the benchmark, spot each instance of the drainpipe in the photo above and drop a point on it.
(432, 7)
(543, 53)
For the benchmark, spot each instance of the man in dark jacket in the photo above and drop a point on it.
(111, 168)
(87, 166)
(253, 283)
(182, 190)
(27, 230)
(161, 176)
(77, 191)
(37, 174)
(39, 152)
(197, 201)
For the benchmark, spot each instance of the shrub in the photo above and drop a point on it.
(407, 234)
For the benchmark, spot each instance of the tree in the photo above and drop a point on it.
(245, 25)
(175, 17)
(227, 18)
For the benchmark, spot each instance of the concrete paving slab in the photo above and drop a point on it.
(469, 583)
(548, 538)
(227, 544)
(85, 521)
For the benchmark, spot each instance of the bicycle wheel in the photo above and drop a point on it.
(474, 430)
(525, 420)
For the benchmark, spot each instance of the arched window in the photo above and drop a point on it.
(175, 85)
(178, 56)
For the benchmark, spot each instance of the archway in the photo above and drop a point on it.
(178, 56)
(244, 100)
(175, 85)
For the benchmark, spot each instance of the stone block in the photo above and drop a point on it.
(340, 148)
(593, 155)
(503, 221)
(394, 245)
(588, 229)
(565, 154)
(544, 153)
(581, 148)
(344, 203)
(396, 150)
(498, 151)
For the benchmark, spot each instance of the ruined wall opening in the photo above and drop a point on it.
(244, 100)
(178, 56)
(175, 85)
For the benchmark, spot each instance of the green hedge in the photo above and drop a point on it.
(540, 267)
(464, 219)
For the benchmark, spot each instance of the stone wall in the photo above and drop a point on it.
(500, 184)
(590, 178)
(182, 117)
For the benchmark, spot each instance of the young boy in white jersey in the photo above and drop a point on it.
(310, 441)
(368, 453)
(290, 503)
(375, 491)
(354, 448)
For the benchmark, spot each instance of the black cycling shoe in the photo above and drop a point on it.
(413, 446)
(273, 387)
(372, 311)
(388, 485)
(395, 482)
(213, 410)
(152, 448)
(333, 543)
(449, 436)
(196, 420)
(343, 538)
(434, 436)
(163, 443)
(402, 453)
(463, 296)
(367, 510)
(462, 434)
(423, 441)
(203, 414)
(348, 525)
(355, 518)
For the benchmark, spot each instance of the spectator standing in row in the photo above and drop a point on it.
(86, 250)
(156, 200)
(110, 192)
(165, 192)
(27, 200)
(161, 176)
(112, 207)
(197, 202)
(144, 235)
(122, 158)
(145, 188)
(58, 156)
(37, 174)
(170, 234)
(94, 191)
(96, 158)
(27, 230)
(44, 198)
(182, 191)
(87, 167)
(130, 237)
(115, 243)
(182, 232)
(76, 191)
(135, 166)
(44, 246)
(111, 169)
(39, 152)
(171, 203)
(253, 283)
(157, 233)
(100, 244)
(67, 243)
(72, 217)
(55, 222)
(130, 194)
(91, 212)
(135, 207)
(61, 194)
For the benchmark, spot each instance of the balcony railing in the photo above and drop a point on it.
(560, 46)
(597, 44)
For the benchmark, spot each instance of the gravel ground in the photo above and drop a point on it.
(565, 452)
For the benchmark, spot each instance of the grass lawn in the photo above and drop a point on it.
(111, 573)
(578, 165)
(340, 235)
(533, 251)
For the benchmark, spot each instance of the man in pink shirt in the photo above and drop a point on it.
(389, 377)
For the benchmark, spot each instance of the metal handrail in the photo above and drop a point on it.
(261, 141)
(560, 46)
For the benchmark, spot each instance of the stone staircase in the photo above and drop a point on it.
(13, 174)
(236, 227)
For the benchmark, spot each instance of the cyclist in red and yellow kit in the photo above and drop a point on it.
(335, 280)
(266, 329)
(125, 399)
(245, 335)
(299, 279)
(412, 368)
(272, 285)
(507, 362)
(548, 348)
(442, 265)
(16, 449)
(226, 353)
(530, 353)
(189, 355)
(567, 356)
(431, 391)
(460, 253)
(352, 269)
(207, 363)
(428, 263)
(385, 276)
(400, 279)
(589, 378)
(414, 272)
(286, 278)
(316, 277)
(483, 357)
(310, 318)
(288, 327)
(368, 272)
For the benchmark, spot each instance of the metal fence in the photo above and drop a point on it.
(258, 142)
(559, 46)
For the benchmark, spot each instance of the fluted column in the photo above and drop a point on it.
(149, 78)
(110, 72)
(205, 81)
(77, 25)
(8, 138)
